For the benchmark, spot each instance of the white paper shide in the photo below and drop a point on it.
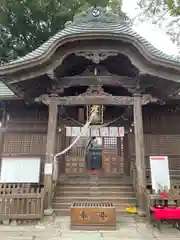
(94, 131)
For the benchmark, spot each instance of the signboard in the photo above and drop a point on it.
(96, 132)
(20, 170)
(160, 173)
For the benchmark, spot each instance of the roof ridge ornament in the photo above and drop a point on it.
(99, 15)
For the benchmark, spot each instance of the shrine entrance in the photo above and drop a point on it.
(96, 154)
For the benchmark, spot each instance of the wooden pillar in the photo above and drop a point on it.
(50, 150)
(3, 124)
(140, 155)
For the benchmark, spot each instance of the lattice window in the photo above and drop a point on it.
(110, 142)
(121, 147)
(24, 143)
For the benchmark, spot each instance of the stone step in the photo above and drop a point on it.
(113, 189)
(100, 178)
(88, 182)
(86, 188)
(96, 197)
(92, 192)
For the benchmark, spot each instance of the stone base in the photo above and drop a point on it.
(48, 212)
(6, 222)
(141, 212)
(14, 223)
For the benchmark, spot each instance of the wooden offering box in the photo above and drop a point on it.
(93, 216)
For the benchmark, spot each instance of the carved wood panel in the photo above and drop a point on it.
(113, 155)
(60, 146)
(75, 164)
(75, 158)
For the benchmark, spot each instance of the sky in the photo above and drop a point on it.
(151, 32)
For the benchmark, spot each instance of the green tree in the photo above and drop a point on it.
(26, 24)
(165, 13)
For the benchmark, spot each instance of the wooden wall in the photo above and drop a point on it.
(161, 134)
(27, 128)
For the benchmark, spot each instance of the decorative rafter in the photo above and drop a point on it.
(96, 56)
(94, 97)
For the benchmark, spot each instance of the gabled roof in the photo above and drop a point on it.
(96, 22)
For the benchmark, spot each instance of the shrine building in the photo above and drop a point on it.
(46, 98)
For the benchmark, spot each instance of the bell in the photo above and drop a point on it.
(98, 118)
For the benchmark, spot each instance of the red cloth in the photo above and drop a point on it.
(163, 194)
(166, 213)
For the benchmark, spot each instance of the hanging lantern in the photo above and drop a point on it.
(98, 119)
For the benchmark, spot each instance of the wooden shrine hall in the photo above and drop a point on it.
(97, 59)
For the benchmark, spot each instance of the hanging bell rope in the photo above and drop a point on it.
(94, 111)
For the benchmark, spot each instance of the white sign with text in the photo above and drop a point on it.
(20, 170)
(160, 173)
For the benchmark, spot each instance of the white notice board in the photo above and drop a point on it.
(20, 170)
(160, 173)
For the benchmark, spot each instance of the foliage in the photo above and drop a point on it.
(26, 24)
(165, 13)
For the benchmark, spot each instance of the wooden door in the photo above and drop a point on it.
(112, 151)
(113, 155)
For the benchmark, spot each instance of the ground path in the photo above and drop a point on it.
(131, 227)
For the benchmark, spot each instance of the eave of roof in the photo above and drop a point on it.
(120, 29)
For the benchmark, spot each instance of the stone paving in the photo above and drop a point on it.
(130, 227)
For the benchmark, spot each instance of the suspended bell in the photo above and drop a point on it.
(98, 111)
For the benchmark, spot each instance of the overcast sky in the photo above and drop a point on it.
(150, 31)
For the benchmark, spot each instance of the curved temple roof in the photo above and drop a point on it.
(97, 21)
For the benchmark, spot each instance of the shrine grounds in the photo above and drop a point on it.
(128, 227)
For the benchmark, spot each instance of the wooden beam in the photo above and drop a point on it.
(126, 82)
(93, 100)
